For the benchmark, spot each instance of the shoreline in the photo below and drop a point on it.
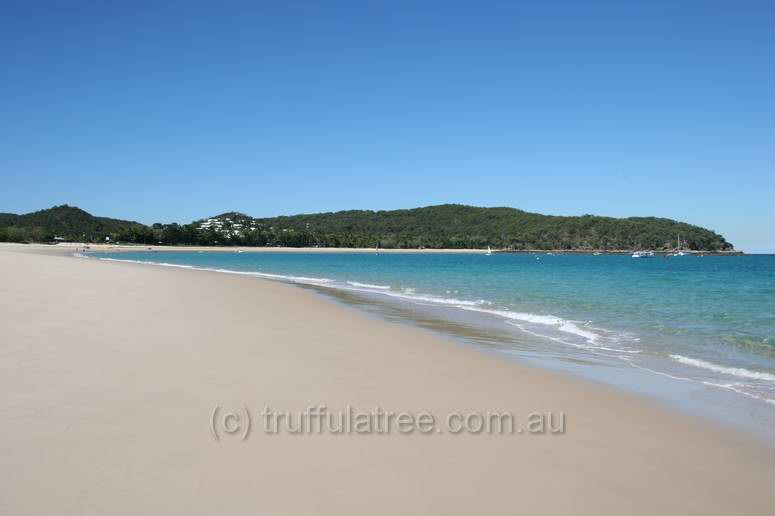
(120, 371)
(477, 329)
(186, 248)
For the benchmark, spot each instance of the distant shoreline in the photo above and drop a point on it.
(183, 248)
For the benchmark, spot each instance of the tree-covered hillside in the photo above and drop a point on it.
(458, 226)
(64, 221)
(445, 226)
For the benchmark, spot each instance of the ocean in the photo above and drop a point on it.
(696, 332)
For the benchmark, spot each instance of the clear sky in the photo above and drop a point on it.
(171, 111)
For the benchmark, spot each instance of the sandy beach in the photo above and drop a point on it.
(110, 374)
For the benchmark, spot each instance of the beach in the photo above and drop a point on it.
(112, 375)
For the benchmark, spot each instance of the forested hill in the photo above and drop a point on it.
(64, 221)
(459, 226)
(445, 226)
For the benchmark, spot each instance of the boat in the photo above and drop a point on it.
(678, 249)
(643, 254)
(596, 253)
(489, 251)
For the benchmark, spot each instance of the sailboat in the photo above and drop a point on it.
(680, 247)
(678, 251)
(489, 251)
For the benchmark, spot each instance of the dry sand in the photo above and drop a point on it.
(109, 373)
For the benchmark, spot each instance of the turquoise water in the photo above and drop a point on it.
(705, 320)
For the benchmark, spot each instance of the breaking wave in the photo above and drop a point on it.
(740, 372)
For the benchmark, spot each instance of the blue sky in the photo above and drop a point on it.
(172, 111)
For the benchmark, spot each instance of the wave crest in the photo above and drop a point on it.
(740, 372)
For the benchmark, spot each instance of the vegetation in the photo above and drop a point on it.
(66, 222)
(458, 226)
(444, 226)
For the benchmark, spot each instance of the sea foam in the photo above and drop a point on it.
(731, 371)
(368, 285)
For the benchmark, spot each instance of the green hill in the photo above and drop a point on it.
(459, 226)
(63, 221)
(445, 226)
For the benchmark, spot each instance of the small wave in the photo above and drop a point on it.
(589, 347)
(282, 277)
(409, 295)
(368, 285)
(731, 371)
(294, 279)
(558, 323)
(145, 262)
(740, 388)
(744, 389)
(164, 264)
